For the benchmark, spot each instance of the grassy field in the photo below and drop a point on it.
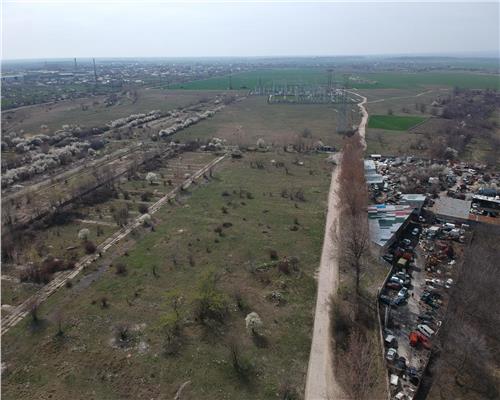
(392, 143)
(246, 121)
(97, 113)
(380, 80)
(183, 247)
(396, 80)
(393, 122)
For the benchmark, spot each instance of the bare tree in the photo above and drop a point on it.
(359, 367)
(354, 241)
(352, 236)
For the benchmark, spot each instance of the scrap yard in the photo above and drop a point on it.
(421, 237)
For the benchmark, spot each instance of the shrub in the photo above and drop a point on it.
(90, 247)
(210, 303)
(33, 307)
(284, 267)
(143, 208)
(242, 366)
(151, 178)
(146, 196)
(104, 302)
(253, 324)
(123, 335)
(240, 301)
(121, 216)
(273, 254)
(147, 220)
(121, 268)
(83, 234)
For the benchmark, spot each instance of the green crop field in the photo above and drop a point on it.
(380, 80)
(393, 122)
(396, 80)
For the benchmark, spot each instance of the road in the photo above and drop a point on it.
(364, 118)
(321, 383)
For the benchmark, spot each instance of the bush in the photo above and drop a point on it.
(83, 234)
(121, 268)
(123, 335)
(242, 366)
(341, 323)
(210, 303)
(104, 302)
(284, 267)
(253, 324)
(273, 254)
(42, 273)
(146, 196)
(143, 208)
(90, 247)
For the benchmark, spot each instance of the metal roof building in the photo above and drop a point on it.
(385, 220)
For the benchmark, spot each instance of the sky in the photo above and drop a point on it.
(160, 28)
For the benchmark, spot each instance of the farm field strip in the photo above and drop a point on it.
(319, 76)
(22, 310)
(394, 122)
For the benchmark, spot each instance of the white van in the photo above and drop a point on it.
(425, 330)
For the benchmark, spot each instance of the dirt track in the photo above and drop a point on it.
(321, 383)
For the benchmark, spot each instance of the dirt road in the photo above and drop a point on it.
(364, 118)
(321, 383)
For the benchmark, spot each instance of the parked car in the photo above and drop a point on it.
(391, 354)
(425, 330)
(393, 285)
(406, 242)
(401, 363)
(415, 231)
(391, 341)
(402, 275)
(399, 301)
(396, 279)
(425, 319)
(417, 337)
(385, 299)
(388, 257)
(403, 293)
(424, 341)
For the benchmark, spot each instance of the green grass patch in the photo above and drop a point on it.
(393, 122)
(259, 216)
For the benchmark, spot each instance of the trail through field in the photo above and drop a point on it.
(321, 382)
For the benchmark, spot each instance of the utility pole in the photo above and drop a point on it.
(342, 122)
(95, 71)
